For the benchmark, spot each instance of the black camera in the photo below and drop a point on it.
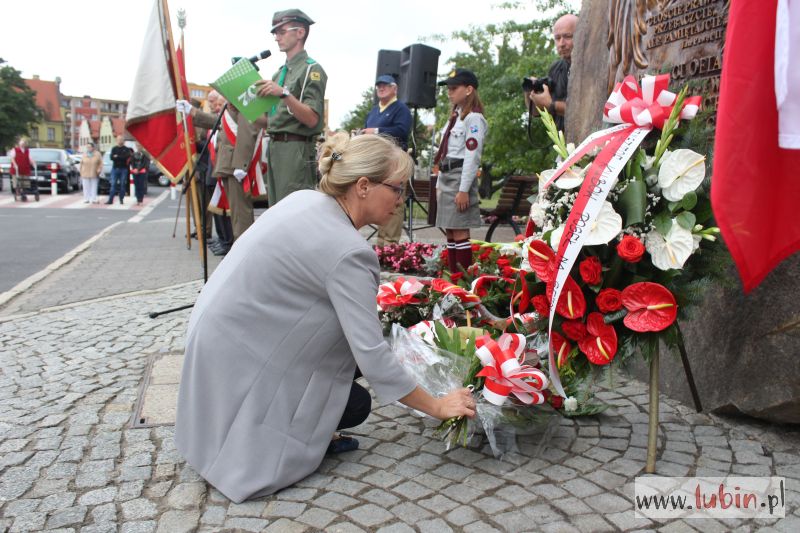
(535, 84)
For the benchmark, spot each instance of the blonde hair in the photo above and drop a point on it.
(472, 102)
(343, 160)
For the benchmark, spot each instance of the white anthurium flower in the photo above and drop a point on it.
(607, 226)
(672, 251)
(572, 177)
(681, 172)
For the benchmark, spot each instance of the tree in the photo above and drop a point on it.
(355, 119)
(18, 110)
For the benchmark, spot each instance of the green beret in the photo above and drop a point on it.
(290, 15)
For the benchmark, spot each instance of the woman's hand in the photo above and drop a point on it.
(458, 402)
(462, 201)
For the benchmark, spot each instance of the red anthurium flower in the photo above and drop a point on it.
(399, 293)
(591, 270)
(651, 307)
(542, 259)
(609, 300)
(600, 345)
(541, 304)
(455, 276)
(574, 329)
(571, 303)
(561, 347)
(445, 287)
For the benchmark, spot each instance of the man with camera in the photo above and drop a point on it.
(389, 117)
(551, 92)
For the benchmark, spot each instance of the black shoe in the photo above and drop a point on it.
(109, 202)
(222, 251)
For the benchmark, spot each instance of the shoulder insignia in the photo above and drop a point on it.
(472, 143)
(314, 76)
(474, 128)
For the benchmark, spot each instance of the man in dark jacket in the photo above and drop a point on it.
(120, 158)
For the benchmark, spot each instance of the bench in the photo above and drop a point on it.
(513, 202)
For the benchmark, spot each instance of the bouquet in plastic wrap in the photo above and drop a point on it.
(509, 390)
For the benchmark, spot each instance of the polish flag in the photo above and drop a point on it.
(151, 119)
(755, 188)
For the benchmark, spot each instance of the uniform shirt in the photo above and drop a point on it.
(466, 142)
(394, 120)
(312, 90)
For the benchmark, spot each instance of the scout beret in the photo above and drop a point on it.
(460, 76)
(290, 15)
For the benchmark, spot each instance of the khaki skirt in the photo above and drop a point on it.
(447, 215)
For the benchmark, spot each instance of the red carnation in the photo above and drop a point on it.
(541, 304)
(609, 300)
(600, 345)
(574, 329)
(591, 269)
(630, 249)
(651, 307)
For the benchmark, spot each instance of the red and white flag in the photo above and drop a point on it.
(151, 118)
(755, 188)
(219, 200)
(253, 183)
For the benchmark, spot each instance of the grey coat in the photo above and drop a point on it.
(272, 346)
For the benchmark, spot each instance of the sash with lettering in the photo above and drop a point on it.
(639, 110)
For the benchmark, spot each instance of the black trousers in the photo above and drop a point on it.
(358, 405)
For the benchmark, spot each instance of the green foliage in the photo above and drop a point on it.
(355, 119)
(18, 110)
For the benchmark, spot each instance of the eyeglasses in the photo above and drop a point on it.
(398, 189)
(283, 31)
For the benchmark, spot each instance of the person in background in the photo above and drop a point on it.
(459, 158)
(389, 117)
(278, 331)
(120, 156)
(139, 166)
(22, 167)
(554, 97)
(90, 169)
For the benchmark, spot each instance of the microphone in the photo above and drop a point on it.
(253, 59)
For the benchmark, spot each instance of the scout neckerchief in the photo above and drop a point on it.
(442, 152)
(282, 77)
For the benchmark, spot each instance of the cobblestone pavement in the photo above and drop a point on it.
(69, 460)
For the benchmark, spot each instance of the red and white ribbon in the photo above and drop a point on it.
(639, 109)
(253, 183)
(504, 371)
(399, 292)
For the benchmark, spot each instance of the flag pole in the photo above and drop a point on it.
(201, 232)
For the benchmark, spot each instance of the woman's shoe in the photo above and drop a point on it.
(342, 444)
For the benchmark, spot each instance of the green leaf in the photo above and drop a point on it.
(633, 202)
(689, 201)
(686, 220)
(703, 210)
(610, 318)
(663, 222)
(673, 206)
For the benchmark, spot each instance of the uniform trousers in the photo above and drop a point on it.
(241, 206)
(292, 166)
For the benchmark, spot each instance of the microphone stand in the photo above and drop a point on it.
(202, 215)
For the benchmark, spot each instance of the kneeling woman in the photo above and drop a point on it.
(276, 334)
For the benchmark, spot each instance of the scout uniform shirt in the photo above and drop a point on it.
(306, 80)
(466, 142)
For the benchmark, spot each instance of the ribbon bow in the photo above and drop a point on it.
(503, 372)
(647, 106)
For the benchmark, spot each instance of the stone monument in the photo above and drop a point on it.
(743, 349)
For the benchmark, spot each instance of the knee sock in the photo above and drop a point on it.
(451, 255)
(463, 253)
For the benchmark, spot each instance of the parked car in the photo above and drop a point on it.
(67, 174)
(5, 170)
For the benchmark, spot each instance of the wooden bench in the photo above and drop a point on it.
(513, 202)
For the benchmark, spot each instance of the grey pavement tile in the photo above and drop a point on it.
(410, 513)
(380, 497)
(591, 523)
(66, 517)
(383, 479)
(104, 513)
(452, 471)
(178, 521)
(29, 522)
(396, 528)
(213, 515)
(316, 517)
(284, 525)
(559, 527)
(480, 527)
(571, 506)
(96, 497)
(369, 515)
(462, 515)
(581, 488)
(241, 523)
(436, 525)
(139, 509)
(186, 495)
(335, 502)
(344, 527)
(412, 490)
(248, 509)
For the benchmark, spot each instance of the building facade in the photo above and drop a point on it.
(49, 133)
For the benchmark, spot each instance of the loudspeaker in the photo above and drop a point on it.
(388, 63)
(419, 64)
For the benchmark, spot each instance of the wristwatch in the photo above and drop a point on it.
(285, 93)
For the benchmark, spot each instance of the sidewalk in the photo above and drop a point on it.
(69, 460)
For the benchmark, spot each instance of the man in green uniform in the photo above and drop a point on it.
(297, 120)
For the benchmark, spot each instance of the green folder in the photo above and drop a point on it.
(238, 86)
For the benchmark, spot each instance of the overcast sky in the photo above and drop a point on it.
(94, 45)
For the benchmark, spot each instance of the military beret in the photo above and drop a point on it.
(290, 15)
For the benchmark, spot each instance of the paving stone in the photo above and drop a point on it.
(345, 527)
(452, 471)
(104, 513)
(380, 497)
(609, 503)
(296, 494)
(548, 491)
(66, 517)
(432, 482)
(462, 515)
(178, 521)
(186, 496)
(214, 515)
(241, 523)
(480, 527)
(96, 497)
(516, 495)
(369, 515)
(335, 502)
(412, 490)
(251, 509)
(395, 451)
(347, 486)
(410, 513)
(383, 479)
(139, 509)
(397, 528)
(316, 517)
(571, 506)
(284, 525)
(29, 522)
(437, 525)
(591, 523)
(23, 506)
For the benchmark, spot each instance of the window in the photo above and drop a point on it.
(35, 134)
(198, 93)
(51, 134)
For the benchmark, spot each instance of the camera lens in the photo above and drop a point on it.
(527, 84)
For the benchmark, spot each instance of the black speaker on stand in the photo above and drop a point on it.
(419, 64)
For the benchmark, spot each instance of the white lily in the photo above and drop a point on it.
(607, 226)
(681, 171)
(672, 251)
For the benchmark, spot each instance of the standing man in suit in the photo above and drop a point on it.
(389, 117)
(294, 124)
